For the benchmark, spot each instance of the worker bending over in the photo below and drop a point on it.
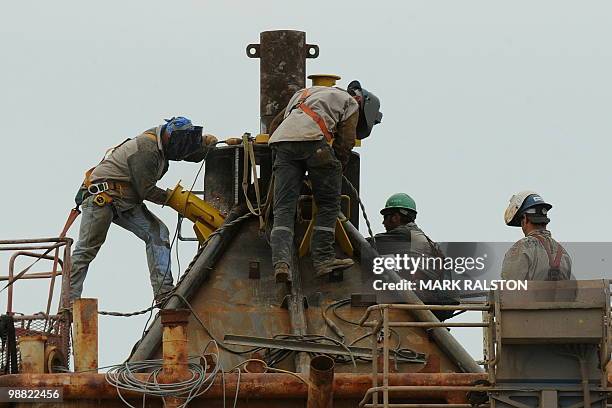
(114, 191)
(316, 133)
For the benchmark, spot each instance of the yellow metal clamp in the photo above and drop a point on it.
(205, 217)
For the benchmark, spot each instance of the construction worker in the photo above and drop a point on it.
(537, 256)
(315, 133)
(114, 191)
(399, 217)
(403, 236)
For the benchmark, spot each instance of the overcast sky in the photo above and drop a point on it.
(481, 99)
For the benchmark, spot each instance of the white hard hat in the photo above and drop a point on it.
(525, 201)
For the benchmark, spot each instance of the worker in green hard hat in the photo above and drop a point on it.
(404, 237)
(399, 217)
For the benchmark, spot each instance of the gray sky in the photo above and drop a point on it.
(480, 98)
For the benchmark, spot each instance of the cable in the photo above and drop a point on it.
(266, 368)
(363, 210)
(176, 231)
(219, 343)
(123, 377)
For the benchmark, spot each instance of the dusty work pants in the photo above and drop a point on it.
(292, 160)
(95, 223)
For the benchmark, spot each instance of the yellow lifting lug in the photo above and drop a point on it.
(205, 217)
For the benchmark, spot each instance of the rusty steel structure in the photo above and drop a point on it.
(229, 333)
(54, 327)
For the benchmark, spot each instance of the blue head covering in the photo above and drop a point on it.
(178, 123)
(185, 139)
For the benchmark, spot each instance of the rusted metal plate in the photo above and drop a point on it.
(231, 303)
(545, 362)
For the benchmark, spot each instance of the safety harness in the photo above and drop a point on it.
(313, 115)
(554, 263)
(99, 190)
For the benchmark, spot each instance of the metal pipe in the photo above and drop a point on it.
(175, 367)
(472, 307)
(417, 389)
(85, 315)
(32, 350)
(33, 241)
(424, 405)
(386, 336)
(11, 273)
(251, 385)
(49, 247)
(320, 389)
(190, 284)
(34, 275)
(441, 336)
(282, 65)
(174, 345)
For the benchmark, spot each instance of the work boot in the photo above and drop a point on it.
(281, 272)
(326, 267)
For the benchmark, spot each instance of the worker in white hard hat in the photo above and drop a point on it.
(537, 256)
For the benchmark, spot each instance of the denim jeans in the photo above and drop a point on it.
(95, 223)
(292, 160)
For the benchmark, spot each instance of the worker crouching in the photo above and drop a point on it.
(114, 191)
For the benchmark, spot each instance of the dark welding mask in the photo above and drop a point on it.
(369, 109)
(183, 143)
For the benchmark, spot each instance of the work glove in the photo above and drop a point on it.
(209, 139)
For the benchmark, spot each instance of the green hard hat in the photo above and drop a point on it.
(399, 201)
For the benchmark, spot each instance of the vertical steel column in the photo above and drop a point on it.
(321, 387)
(85, 313)
(282, 56)
(174, 344)
(32, 349)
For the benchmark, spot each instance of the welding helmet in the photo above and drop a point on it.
(184, 139)
(369, 109)
(527, 202)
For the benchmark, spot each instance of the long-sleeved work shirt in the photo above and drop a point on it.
(139, 163)
(338, 109)
(527, 259)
